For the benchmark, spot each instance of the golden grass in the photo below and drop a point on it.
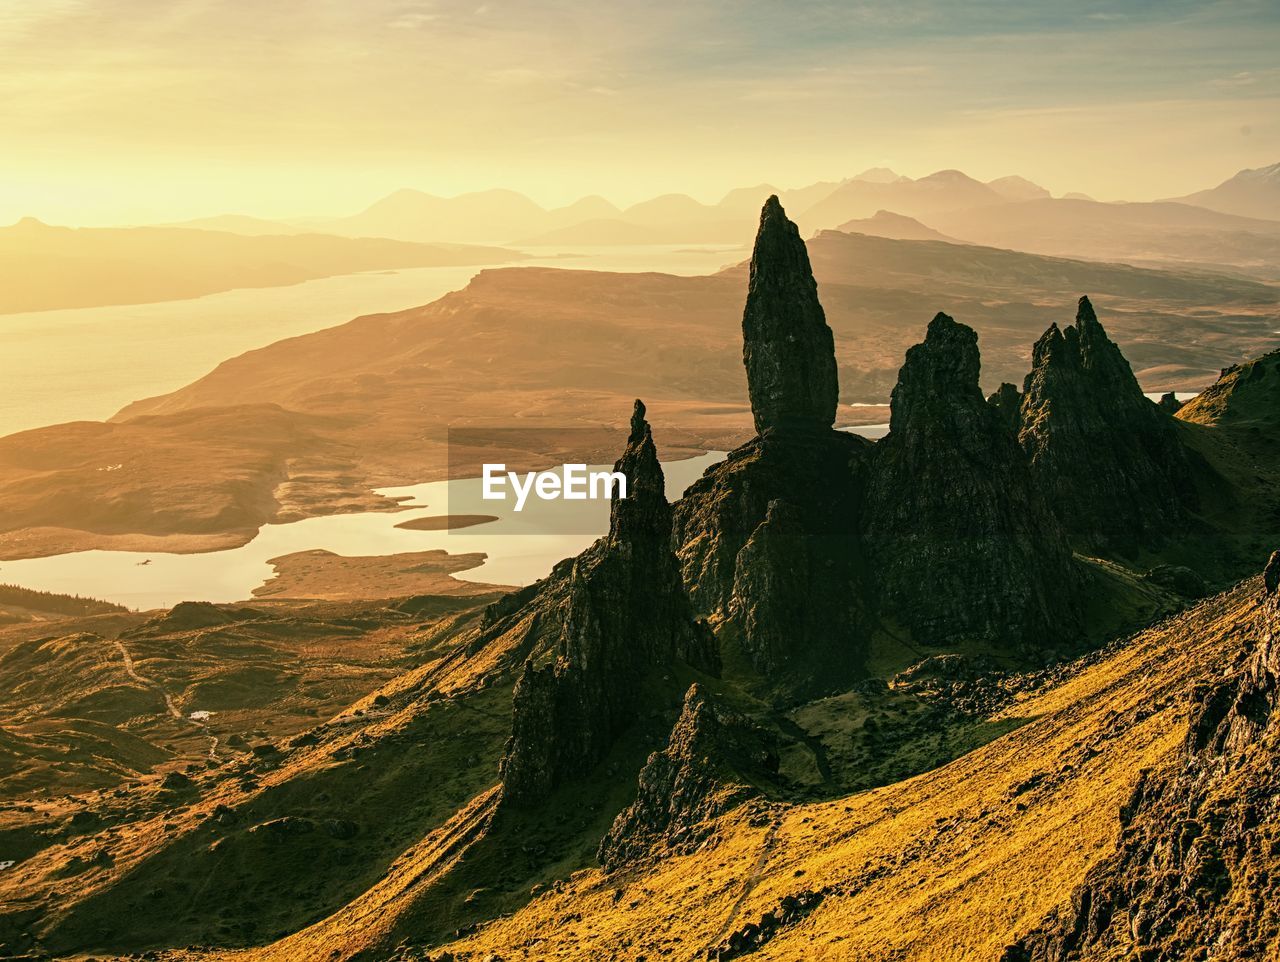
(949, 865)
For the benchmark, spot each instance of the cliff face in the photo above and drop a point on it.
(964, 545)
(1198, 860)
(1007, 400)
(769, 548)
(1109, 460)
(623, 614)
(787, 346)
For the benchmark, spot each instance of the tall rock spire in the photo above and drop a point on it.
(788, 348)
(964, 546)
(644, 514)
(1110, 460)
(624, 618)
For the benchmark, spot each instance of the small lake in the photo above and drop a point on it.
(521, 547)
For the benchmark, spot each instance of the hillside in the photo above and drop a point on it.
(306, 426)
(1175, 235)
(50, 267)
(885, 223)
(956, 864)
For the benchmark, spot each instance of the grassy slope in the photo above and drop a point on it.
(331, 810)
(951, 864)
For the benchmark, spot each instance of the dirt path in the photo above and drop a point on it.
(170, 707)
(748, 883)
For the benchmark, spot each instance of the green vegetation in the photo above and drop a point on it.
(49, 601)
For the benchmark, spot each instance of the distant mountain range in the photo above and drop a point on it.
(1235, 226)
(1250, 193)
(1157, 234)
(503, 216)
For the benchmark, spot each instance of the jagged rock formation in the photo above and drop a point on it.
(964, 545)
(787, 346)
(768, 539)
(712, 762)
(792, 582)
(769, 549)
(624, 613)
(1109, 460)
(1196, 872)
(1007, 400)
(1169, 403)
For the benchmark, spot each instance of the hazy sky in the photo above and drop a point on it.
(141, 110)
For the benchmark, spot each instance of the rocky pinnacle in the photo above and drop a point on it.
(1111, 461)
(644, 513)
(788, 349)
(964, 545)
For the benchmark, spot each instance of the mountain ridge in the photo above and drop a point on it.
(1251, 192)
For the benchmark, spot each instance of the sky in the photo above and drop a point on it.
(138, 111)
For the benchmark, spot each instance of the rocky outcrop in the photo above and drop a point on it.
(1109, 460)
(787, 347)
(1244, 396)
(715, 759)
(768, 540)
(1169, 403)
(795, 580)
(964, 547)
(623, 615)
(1179, 579)
(1197, 864)
(1007, 400)
(769, 549)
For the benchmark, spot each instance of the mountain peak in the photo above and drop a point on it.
(962, 544)
(1254, 192)
(879, 175)
(948, 176)
(1017, 188)
(1269, 173)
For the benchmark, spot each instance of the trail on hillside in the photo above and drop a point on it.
(749, 883)
(170, 707)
